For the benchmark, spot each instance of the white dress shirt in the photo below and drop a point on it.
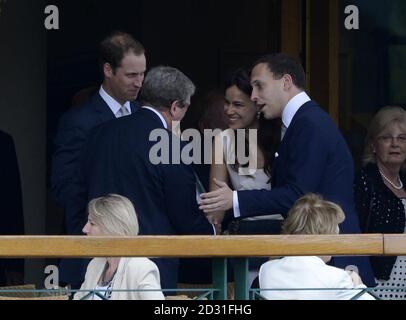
(288, 113)
(293, 106)
(113, 104)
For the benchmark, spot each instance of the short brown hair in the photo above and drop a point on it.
(313, 215)
(280, 64)
(116, 46)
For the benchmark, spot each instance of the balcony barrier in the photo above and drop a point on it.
(220, 248)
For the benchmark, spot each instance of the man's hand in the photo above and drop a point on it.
(218, 200)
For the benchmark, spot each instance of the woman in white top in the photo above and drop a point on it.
(310, 215)
(261, 139)
(117, 278)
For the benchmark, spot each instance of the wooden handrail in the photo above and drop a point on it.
(199, 246)
(394, 244)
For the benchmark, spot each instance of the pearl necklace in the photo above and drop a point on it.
(400, 187)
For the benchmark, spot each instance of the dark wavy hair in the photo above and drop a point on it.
(269, 131)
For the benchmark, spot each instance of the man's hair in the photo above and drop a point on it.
(313, 215)
(115, 215)
(114, 48)
(165, 85)
(386, 117)
(280, 64)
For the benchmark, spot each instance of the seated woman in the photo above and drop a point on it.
(380, 194)
(310, 215)
(114, 215)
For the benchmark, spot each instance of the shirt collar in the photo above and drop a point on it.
(112, 103)
(293, 106)
(158, 114)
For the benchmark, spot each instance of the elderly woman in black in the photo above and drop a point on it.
(380, 194)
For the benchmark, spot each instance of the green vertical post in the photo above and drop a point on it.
(219, 278)
(241, 288)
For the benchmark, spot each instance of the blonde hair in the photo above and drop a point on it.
(313, 215)
(115, 215)
(385, 117)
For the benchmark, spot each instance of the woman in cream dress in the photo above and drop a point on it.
(117, 278)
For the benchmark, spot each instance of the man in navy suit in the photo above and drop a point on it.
(312, 156)
(123, 65)
(123, 157)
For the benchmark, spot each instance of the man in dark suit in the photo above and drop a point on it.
(123, 157)
(12, 219)
(312, 156)
(123, 65)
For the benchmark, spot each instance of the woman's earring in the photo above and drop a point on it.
(259, 115)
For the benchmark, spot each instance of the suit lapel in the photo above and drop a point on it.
(301, 110)
(119, 277)
(280, 161)
(285, 141)
(102, 109)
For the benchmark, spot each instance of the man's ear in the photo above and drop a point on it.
(287, 82)
(108, 70)
(176, 105)
(174, 108)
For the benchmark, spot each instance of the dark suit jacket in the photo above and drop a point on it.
(74, 128)
(374, 200)
(73, 131)
(116, 160)
(12, 219)
(312, 157)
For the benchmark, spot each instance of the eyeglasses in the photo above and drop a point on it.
(388, 139)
